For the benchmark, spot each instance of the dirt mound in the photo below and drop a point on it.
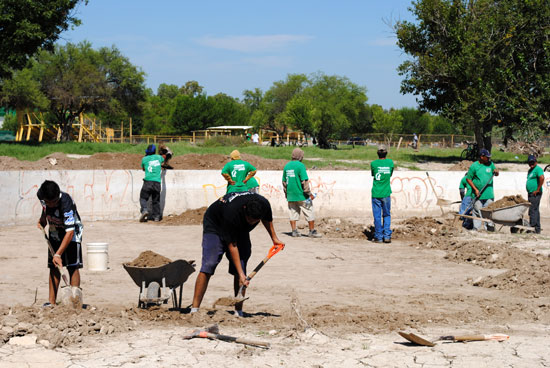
(507, 201)
(461, 166)
(132, 161)
(149, 258)
(189, 217)
(419, 228)
(339, 228)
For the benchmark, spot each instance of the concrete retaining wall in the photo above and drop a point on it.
(114, 194)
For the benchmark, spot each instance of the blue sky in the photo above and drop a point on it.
(230, 46)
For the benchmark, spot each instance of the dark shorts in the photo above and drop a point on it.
(72, 257)
(213, 249)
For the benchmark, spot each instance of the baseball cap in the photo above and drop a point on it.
(531, 158)
(235, 155)
(485, 153)
(383, 148)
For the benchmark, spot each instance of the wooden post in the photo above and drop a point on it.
(29, 128)
(452, 140)
(193, 137)
(121, 131)
(399, 144)
(287, 139)
(418, 143)
(130, 130)
(81, 118)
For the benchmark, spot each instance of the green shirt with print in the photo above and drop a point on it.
(151, 165)
(464, 184)
(381, 170)
(238, 170)
(252, 183)
(480, 175)
(533, 179)
(293, 175)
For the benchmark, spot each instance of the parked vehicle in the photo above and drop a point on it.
(356, 141)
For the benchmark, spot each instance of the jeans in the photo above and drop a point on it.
(382, 218)
(481, 203)
(534, 214)
(466, 202)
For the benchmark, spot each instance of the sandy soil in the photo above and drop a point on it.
(337, 301)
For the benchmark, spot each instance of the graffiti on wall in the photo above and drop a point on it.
(101, 195)
(414, 192)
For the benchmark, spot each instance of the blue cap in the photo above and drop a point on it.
(485, 153)
(531, 158)
(151, 150)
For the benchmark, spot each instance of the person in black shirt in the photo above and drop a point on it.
(226, 227)
(65, 234)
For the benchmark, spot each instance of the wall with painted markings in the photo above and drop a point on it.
(114, 194)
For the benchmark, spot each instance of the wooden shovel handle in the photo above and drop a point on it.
(210, 335)
(63, 276)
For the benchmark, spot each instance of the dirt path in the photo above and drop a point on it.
(329, 302)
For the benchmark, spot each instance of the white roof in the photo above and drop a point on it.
(232, 127)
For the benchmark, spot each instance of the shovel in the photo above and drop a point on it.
(424, 342)
(213, 333)
(231, 301)
(440, 202)
(70, 295)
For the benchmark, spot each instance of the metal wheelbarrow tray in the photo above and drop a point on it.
(157, 284)
(510, 216)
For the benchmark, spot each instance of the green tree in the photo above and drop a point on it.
(77, 78)
(328, 106)
(27, 25)
(191, 88)
(191, 113)
(414, 121)
(386, 122)
(168, 91)
(252, 99)
(481, 63)
(271, 110)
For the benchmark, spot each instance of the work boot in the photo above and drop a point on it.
(143, 217)
(387, 240)
(157, 219)
(295, 234)
(314, 234)
(377, 240)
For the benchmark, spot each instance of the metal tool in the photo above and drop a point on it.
(213, 333)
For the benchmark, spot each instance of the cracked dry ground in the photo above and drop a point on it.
(337, 301)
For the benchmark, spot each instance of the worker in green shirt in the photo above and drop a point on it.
(381, 170)
(298, 193)
(239, 174)
(535, 180)
(480, 175)
(151, 164)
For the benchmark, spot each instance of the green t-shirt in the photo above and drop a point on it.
(480, 174)
(533, 179)
(151, 165)
(381, 170)
(252, 183)
(293, 175)
(238, 170)
(464, 184)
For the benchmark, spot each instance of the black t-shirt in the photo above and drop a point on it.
(226, 217)
(62, 218)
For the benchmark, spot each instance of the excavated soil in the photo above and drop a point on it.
(149, 258)
(131, 161)
(189, 217)
(507, 201)
(461, 166)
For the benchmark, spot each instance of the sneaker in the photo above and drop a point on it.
(239, 313)
(295, 234)
(47, 305)
(143, 217)
(194, 310)
(314, 234)
(157, 219)
(374, 240)
(387, 240)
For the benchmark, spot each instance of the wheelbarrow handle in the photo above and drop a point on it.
(479, 195)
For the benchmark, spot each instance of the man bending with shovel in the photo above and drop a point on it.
(59, 211)
(226, 227)
(480, 177)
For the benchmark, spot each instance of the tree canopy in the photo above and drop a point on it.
(27, 25)
(480, 63)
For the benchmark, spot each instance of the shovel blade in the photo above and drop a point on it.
(416, 339)
(66, 295)
(77, 299)
(229, 301)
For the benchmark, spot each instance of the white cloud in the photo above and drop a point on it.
(270, 61)
(252, 43)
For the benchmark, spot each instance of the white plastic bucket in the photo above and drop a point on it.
(98, 256)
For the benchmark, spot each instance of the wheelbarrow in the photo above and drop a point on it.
(509, 216)
(158, 284)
